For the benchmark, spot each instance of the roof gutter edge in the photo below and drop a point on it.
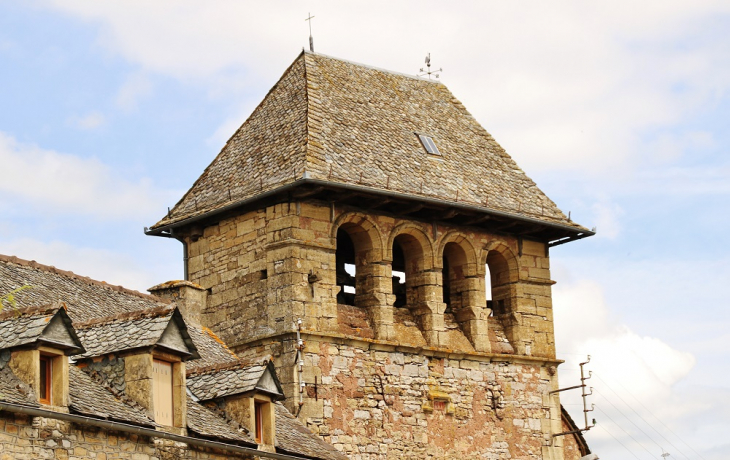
(578, 233)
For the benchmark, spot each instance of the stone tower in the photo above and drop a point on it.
(373, 207)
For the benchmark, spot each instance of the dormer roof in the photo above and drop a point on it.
(230, 380)
(47, 325)
(332, 128)
(161, 328)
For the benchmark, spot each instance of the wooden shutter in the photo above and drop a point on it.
(162, 392)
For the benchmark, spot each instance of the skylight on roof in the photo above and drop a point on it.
(429, 144)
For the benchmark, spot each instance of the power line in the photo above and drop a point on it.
(642, 418)
(631, 421)
(627, 433)
(657, 418)
(619, 441)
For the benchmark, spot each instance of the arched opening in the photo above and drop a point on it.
(345, 268)
(399, 276)
(453, 276)
(407, 263)
(497, 284)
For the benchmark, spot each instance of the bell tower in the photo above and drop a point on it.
(372, 207)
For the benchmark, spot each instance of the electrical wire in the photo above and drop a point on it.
(652, 414)
(619, 441)
(627, 433)
(632, 422)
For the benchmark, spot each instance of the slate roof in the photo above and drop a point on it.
(26, 326)
(137, 320)
(207, 423)
(293, 437)
(211, 349)
(128, 331)
(21, 327)
(89, 397)
(344, 123)
(85, 298)
(219, 382)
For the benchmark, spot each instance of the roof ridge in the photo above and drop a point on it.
(35, 310)
(50, 268)
(372, 67)
(132, 315)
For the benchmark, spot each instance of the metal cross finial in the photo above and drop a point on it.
(311, 40)
(428, 66)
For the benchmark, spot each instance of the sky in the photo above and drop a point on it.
(618, 110)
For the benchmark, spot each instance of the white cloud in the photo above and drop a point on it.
(635, 378)
(607, 218)
(65, 184)
(562, 84)
(89, 121)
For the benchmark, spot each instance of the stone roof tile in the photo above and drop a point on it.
(345, 123)
(91, 398)
(85, 298)
(23, 327)
(220, 383)
(295, 438)
(211, 349)
(207, 423)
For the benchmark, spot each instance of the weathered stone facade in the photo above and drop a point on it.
(436, 378)
(29, 438)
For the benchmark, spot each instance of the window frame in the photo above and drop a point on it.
(429, 144)
(258, 408)
(45, 362)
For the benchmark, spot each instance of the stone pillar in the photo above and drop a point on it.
(374, 293)
(472, 316)
(426, 299)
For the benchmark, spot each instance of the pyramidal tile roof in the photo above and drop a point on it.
(339, 122)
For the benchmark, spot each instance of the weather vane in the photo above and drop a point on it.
(429, 72)
(311, 40)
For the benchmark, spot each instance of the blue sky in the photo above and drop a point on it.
(619, 112)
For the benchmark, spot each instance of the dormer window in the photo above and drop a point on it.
(428, 144)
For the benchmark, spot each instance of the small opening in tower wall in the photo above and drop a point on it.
(495, 282)
(428, 144)
(399, 276)
(345, 268)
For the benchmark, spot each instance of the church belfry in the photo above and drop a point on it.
(374, 208)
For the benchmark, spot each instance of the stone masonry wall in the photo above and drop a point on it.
(377, 404)
(266, 269)
(30, 438)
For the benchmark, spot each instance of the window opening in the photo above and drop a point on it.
(162, 392)
(259, 420)
(46, 369)
(455, 283)
(495, 280)
(429, 144)
(345, 268)
(488, 289)
(446, 278)
(399, 276)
